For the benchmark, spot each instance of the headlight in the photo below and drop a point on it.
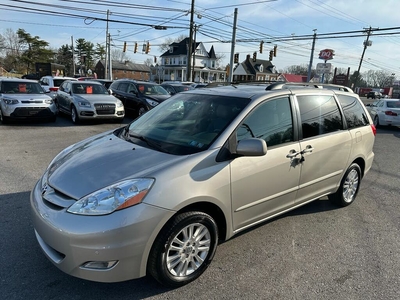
(10, 101)
(48, 101)
(152, 102)
(120, 104)
(84, 103)
(117, 196)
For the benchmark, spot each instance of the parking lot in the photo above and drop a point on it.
(315, 252)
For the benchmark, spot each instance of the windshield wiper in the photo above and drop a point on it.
(149, 142)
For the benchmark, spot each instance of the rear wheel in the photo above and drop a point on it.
(376, 121)
(349, 187)
(183, 249)
(74, 115)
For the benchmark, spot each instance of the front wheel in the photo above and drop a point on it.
(74, 115)
(183, 249)
(3, 119)
(348, 188)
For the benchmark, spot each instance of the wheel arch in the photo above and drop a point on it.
(361, 162)
(203, 206)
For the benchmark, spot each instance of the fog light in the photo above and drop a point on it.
(100, 265)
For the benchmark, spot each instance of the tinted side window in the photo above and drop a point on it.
(319, 115)
(354, 113)
(270, 121)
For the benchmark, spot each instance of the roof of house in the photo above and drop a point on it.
(253, 67)
(180, 48)
(294, 78)
(128, 66)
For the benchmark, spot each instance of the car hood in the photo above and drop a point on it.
(96, 98)
(28, 97)
(103, 160)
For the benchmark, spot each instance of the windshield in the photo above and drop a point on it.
(21, 88)
(89, 88)
(185, 123)
(393, 104)
(151, 89)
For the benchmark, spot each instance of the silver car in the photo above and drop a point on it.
(156, 196)
(88, 100)
(24, 99)
(385, 112)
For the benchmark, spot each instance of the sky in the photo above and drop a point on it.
(340, 25)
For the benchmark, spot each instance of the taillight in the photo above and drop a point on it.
(390, 113)
(373, 129)
(53, 89)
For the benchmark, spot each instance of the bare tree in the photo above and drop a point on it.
(168, 41)
(118, 55)
(148, 62)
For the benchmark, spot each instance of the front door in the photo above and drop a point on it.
(266, 185)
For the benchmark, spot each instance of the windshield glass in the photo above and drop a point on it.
(185, 123)
(393, 104)
(21, 88)
(151, 89)
(88, 88)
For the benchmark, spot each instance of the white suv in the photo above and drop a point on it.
(51, 84)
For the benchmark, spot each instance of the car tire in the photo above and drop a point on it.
(183, 249)
(74, 115)
(376, 122)
(349, 186)
(3, 119)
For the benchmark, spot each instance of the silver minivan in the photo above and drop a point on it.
(157, 195)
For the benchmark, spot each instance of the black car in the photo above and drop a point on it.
(138, 96)
(174, 88)
(374, 95)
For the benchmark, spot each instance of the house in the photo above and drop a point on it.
(125, 69)
(173, 65)
(253, 69)
(292, 77)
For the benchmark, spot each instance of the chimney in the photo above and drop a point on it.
(248, 57)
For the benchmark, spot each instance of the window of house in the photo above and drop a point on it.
(319, 115)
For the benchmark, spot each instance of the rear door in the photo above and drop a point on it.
(266, 185)
(325, 145)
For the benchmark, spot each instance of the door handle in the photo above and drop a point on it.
(308, 149)
(292, 154)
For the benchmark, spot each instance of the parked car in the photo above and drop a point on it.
(24, 99)
(385, 112)
(88, 100)
(51, 84)
(199, 85)
(174, 88)
(157, 195)
(138, 96)
(374, 95)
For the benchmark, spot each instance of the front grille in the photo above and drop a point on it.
(36, 112)
(105, 109)
(32, 101)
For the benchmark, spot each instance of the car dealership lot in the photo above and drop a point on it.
(315, 252)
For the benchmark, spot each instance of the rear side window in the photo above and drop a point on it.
(319, 115)
(354, 113)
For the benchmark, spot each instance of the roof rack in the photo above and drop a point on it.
(288, 85)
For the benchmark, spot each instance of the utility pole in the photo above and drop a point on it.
(73, 55)
(188, 70)
(366, 44)
(230, 79)
(109, 58)
(194, 54)
(312, 55)
(107, 49)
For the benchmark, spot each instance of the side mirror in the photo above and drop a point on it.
(252, 147)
